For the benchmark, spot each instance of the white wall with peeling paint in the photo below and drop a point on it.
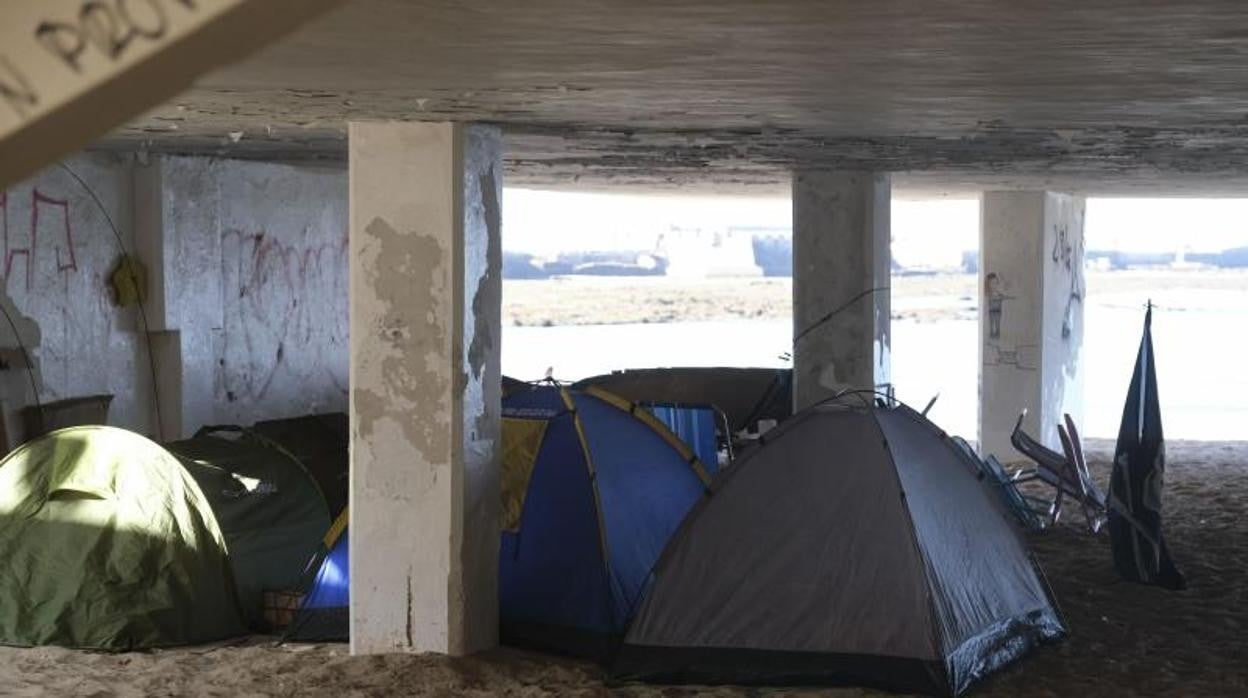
(247, 289)
(254, 272)
(57, 251)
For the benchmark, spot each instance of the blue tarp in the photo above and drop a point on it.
(695, 425)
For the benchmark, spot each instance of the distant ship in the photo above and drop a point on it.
(697, 252)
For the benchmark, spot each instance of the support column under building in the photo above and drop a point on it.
(177, 236)
(1031, 298)
(426, 296)
(841, 266)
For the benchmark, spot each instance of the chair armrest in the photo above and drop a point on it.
(1024, 474)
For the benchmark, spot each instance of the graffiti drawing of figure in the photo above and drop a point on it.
(995, 293)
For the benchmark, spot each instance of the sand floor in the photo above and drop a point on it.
(1124, 639)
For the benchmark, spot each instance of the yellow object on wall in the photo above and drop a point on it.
(129, 282)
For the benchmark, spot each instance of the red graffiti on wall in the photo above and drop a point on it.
(70, 262)
(66, 259)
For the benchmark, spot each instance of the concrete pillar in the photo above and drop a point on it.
(177, 220)
(426, 297)
(841, 266)
(1031, 319)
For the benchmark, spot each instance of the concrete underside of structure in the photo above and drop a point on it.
(1108, 97)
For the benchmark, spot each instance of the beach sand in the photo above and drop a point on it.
(1124, 639)
(582, 300)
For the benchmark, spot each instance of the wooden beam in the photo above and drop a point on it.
(72, 70)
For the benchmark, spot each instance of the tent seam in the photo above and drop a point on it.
(593, 485)
(656, 425)
(942, 657)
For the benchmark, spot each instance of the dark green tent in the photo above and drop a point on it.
(319, 441)
(270, 509)
(107, 542)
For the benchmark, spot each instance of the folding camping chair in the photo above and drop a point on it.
(1093, 500)
(1032, 512)
(1066, 473)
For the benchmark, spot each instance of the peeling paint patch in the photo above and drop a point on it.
(410, 275)
(489, 287)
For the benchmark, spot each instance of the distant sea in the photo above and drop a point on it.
(1200, 340)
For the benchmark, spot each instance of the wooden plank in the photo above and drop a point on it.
(72, 70)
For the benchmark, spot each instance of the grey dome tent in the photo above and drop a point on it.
(854, 546)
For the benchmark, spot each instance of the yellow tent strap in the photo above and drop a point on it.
(657, 425)
(593, 477)
(335, 529)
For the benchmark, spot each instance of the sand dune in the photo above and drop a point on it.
(1125, 639)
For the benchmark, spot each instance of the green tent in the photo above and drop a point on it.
(319, 442)
(270, 509)
(107, 542)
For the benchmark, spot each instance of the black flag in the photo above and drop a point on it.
(1140, 552)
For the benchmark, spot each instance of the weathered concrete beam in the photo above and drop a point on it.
(72, 70)
(426, 306)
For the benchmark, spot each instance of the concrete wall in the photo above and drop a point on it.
(58, 252)
(251, 285)
(247, 289)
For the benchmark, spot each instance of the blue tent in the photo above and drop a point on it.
(323, 615)
(593, 488)
(693, 424)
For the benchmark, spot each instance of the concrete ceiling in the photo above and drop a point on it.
(1108, 96)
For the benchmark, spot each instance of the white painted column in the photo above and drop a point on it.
(1031, 315)
(177, 215)
(841, 267)
(426, 296)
